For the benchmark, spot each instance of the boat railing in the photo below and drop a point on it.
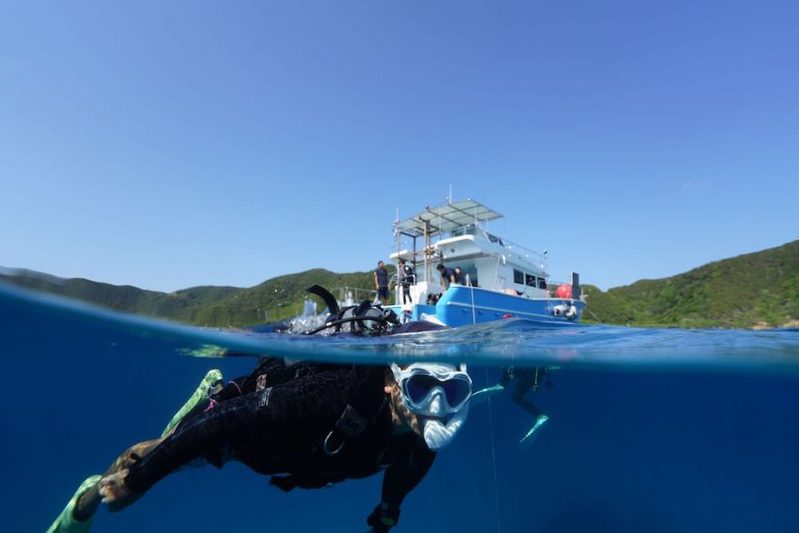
(530, 255)
(354, 295)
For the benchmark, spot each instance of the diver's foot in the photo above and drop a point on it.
(115, 493)
(132, 456)
(76, 516)
(87, 503)
(528, 437)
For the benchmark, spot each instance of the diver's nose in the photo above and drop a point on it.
(437, 402)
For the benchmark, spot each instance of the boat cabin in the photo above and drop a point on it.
(453, 234)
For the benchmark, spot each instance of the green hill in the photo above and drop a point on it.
(276, 299)
(181, 305)
(757, 289)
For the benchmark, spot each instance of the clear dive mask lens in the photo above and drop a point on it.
(418, 383)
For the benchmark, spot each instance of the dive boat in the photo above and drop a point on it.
(499, 280)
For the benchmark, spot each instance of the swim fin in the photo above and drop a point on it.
(207, 386)
(66, 522)
(483, 394)
(528, 437)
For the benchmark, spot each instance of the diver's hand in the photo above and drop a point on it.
(384, 517)
(114, 492)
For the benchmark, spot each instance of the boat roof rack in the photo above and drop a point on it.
(446, 217)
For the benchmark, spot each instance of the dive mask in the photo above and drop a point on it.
(424, 383)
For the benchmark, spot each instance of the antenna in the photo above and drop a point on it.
(449, 198)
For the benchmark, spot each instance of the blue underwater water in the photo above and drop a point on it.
(650, 430)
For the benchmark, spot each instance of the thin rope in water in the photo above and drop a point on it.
(493, 459)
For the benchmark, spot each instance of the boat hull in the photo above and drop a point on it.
(461, 305)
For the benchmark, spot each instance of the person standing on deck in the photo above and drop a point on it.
(381, 283)
(407, 278)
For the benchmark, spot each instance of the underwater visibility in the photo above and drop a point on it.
(657, 430)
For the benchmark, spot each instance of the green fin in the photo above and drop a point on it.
(209, 382)
(483, 394)
(66, 523)
(528, 437)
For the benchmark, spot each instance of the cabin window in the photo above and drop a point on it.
(542, 283)
(518, 277)
(530, 280)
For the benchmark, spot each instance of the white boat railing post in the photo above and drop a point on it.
(471, 289)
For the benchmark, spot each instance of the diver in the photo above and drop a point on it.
(526, 379)
(407, 278)
(307, 425)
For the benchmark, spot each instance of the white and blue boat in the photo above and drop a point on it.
(501, 279)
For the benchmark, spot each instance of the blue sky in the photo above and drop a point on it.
(173, 144)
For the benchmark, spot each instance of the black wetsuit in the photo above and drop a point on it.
(276, 421)
(407, 279)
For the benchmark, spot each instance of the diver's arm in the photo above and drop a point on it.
(398, 481)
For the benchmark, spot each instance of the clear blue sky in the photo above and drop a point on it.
(173, 144)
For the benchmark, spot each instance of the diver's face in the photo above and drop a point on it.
(437, 428)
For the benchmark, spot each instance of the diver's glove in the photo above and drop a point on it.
(384, 517)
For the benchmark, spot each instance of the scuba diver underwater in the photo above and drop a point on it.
(305, 424)
(524, 379)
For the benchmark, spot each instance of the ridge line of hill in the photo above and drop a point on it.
(759, 289)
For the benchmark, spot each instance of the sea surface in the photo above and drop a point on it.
(650, 430)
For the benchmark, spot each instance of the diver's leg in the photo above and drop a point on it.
(230, 427)
(76, 516)
(519, 391)
(209, 384)
(204, 436)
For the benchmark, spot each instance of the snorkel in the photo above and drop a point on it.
(438, 395)
(438, 434)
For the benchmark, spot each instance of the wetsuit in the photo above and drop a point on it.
(277, 420)
(381, 282)
(527, 380)
(408, 278)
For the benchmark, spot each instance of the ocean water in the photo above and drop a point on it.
(650, 430)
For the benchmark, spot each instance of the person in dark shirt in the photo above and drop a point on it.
(306, 425)
(447, 275)
(381, 283)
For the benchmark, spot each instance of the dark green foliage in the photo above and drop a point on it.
(181, 305)
(758, 289)
(276, 299)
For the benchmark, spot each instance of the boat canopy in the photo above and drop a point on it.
(445, 218)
